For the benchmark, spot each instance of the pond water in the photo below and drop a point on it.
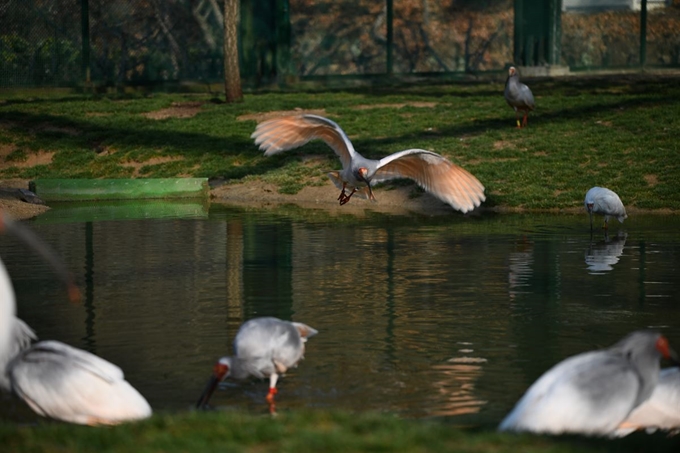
(450, 317)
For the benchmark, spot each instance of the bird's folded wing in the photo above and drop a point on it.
(289, 132)
(436, 174)
(47, 352)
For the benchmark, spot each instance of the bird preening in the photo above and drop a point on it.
(518, 96)
(600, 200)
(594, 392)
(434, 173)
(263, 347)
(57, 380)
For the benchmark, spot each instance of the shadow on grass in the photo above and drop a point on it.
(89, 136)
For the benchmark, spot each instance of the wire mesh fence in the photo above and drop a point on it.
(47, 43)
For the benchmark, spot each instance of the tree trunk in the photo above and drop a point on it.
(232, 75)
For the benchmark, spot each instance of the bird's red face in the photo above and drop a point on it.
(664, 348)
(220, 371)
(512, 71)
(590, 207)
(363, 173)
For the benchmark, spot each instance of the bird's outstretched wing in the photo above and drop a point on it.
(436, 174)
(289, 132)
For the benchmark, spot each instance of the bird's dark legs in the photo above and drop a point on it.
(343, 197)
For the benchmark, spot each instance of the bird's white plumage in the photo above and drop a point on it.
(600, 200)
(59, 381)
(590, 393)
(72, 385)
(661, 410)
(433, 172)
(263, 344)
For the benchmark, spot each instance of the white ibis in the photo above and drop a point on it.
(518, 96)
(593, 392)
(661, 410)
(53, 378)
(263, 347)
(600, 200)
(431, 171)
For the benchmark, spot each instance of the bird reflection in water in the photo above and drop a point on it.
(601, 256)
(457, 385)
(520, 267)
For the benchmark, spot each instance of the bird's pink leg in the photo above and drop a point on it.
(525, 121)
(272, 392)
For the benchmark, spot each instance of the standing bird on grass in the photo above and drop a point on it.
(593, 392)
(518, 96)
(263, 347)
(600, 200)
(53, 378)
(434, 173)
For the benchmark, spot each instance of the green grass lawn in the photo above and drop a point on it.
(307, 431)
(620, 132)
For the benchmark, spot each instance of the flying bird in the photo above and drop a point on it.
(53, 378)
(600, 200)
(593, 392)
(431, 171)
(263, 347)
(518, 96)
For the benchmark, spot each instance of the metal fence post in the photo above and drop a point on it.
(85, 38)
(389, 6)
(643, 32)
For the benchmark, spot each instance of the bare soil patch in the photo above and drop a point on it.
(176, 110)
(651, 179)
(32, 158)
(153, 161)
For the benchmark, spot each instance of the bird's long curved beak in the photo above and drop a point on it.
(370, 190)
(208, 391)
(45, 251)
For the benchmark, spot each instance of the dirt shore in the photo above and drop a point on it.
(400, 200)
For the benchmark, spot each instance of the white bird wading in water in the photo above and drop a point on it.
(53, 378)
(518, 96)
(600, 200)
(431, 171)
(263, 347)
(593, 392)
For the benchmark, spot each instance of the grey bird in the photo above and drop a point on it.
(661, 410)
(53, 378)
(263, 347)
(600, 200)
(518, 96)
(593, 392)
(431, 171)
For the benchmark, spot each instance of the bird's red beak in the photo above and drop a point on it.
(363, 171)
(666, 351)
(219, 373)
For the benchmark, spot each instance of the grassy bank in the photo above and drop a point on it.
(304, 432)
(619, 132)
